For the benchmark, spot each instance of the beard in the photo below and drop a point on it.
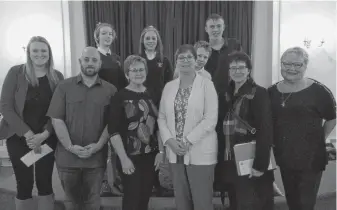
(89, 71)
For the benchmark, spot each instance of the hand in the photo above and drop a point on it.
(36, 140)
(255, 173)
(92, 148)
(178, 148)
(37, 150)
(127, 165)
(29, 134)
(81, 152)
(159, 159)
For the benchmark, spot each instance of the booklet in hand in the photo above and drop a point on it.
(31, 157)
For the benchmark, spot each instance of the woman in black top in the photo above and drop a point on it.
(132, 126)
(25, 98)
(251, 103)
(111, 70)
(300, 106)
(159, 73)
(159, 68)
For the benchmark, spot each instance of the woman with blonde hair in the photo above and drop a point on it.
(159, 73)
(25, 98)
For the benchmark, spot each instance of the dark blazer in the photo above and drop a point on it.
(13, 97)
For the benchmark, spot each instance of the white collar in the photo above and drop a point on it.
(201, 70)
(101, 50)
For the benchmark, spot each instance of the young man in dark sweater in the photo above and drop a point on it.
(112, 72)
(217, 63)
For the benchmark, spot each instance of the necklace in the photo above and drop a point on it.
(283, 104)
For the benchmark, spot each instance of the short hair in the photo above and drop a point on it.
(159, 47)
(238, 56)
(214, 16)
(98, 29)
(203, 44)
(183, 49)
(298, 51)
(130, 60)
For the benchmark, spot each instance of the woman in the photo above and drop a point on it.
(25, 98)
(187, 119)
(132, 126)
(111, 71)
(243, 106)
(159, 73)
(300, 106)
(159, 67)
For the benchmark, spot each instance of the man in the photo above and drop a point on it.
(217, 65)
(78, 109)
(204, 51)
(221, 47)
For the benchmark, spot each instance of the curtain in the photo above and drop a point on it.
(178, 22)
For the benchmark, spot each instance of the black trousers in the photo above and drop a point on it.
(24, 175)
(301, 188)
(245, 193)
(138, 186)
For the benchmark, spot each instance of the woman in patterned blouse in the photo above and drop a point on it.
(187, 119)
(300, 106)
(132, 126)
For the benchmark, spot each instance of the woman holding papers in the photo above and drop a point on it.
(187, 118)
(244, 117)
(304, 114)
(25, 97)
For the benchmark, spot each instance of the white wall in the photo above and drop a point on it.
(19, 21)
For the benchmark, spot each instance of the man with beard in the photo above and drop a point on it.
(78, 111)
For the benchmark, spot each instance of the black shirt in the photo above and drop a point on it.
(111, 70)
(213, 61)
(36, 105)
(159, 73)
(133, 116)
(298, 132)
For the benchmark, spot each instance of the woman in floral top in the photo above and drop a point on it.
(187, 118)
(132, 126)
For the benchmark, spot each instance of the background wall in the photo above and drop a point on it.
(19, 21)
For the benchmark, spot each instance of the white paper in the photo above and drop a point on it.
(246, 166)
(30, 158)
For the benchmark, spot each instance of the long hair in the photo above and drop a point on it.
(159, 47)
(29, 68)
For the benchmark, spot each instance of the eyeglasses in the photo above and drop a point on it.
(137, 70)
(239, 68)
(183, 58)
(295, 65)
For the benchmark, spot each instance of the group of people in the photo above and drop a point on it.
(194, 114)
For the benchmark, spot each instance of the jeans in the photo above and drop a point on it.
(17, 147)
(82, 187)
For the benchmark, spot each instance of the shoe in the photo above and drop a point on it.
(24, 204)
(45, 202)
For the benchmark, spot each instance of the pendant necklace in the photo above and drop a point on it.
(283, 104)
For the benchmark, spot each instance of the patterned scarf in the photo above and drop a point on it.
(233, 124)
